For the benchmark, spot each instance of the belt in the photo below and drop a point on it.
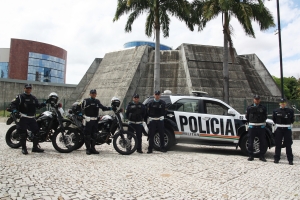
(24, 115)
(257, 124)
(284, 125)
(91, 118)
(156, 118)
(131, 122)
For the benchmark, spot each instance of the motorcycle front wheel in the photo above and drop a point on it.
(65, 141)
(125, 142)
(12, 138)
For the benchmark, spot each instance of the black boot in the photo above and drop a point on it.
(87, 142)
(23, 143)
(35, 147)
(93, 150)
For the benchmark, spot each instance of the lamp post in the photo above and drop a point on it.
(280, 52)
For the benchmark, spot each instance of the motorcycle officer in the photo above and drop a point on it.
(24, 107)
(256, 117)
(90, 108)
(283, 118)
(135, 112)
(156, 110)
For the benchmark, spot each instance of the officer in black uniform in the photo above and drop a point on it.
(256, 117)
(283, 118)
(135, 113)
(156, 110)
(24, 106)
(90, 108)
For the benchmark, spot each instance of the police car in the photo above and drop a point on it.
(199, 119)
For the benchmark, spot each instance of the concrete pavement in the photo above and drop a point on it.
(185, 172)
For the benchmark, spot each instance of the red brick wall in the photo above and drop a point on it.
(18, 58)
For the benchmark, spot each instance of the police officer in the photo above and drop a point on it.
(24, 106)
(156, 109)
(256, 117)
(283, 118)
(135, 113)
(90, 108)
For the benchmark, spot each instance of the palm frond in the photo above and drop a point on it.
(243, 13)
(149, 24)
(165, 22)
(133, 16)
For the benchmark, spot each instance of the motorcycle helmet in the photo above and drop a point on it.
(53, 98)
(76, 107)
(115, 102)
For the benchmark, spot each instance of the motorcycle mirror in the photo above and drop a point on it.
(59, 105)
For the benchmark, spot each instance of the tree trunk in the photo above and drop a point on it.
(225, 71)
(157, 60)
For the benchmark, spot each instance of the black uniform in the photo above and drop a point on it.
(135, 113)
(283, 116)
(26, 105)
(155, 110)
(256, 114)
(90, 108)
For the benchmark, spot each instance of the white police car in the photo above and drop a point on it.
(199, 119)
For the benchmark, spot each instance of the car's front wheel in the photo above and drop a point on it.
(245, 143)
(167, 138)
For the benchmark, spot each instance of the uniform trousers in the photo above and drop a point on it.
(139, 133)
(280, 133)
(259, 132)
(154, 126)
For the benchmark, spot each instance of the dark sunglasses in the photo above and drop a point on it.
(28, 88)
(136, 97)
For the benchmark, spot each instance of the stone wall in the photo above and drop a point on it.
(9, 88)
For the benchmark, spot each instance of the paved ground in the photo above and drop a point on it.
(186, 172)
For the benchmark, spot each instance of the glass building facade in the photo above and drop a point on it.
(140, 43)
(3, 69)
(45, 68)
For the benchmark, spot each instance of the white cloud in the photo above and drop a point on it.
(86, 31)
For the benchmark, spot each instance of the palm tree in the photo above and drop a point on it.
(244, 10)
(157, 17)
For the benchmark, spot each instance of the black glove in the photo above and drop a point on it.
(43, 105)
(16, 114)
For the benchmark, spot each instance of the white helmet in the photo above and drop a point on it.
(53, 98)
(115, 102)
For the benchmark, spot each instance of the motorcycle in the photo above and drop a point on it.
(110, 129)
(51, 129)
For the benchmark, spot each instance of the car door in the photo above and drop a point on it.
(218, 123)
(204, 119)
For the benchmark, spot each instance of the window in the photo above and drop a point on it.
(215, 108)
(46, 68)
(185, 105)
(3, 69)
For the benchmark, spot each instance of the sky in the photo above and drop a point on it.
(85, 29)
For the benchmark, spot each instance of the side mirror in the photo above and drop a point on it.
(231, 112)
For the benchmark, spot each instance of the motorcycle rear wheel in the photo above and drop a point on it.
(125, 143)
(12, 138)
(70, 143)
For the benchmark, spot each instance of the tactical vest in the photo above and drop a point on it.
(283, 116)
(257, 114)
(135, 112)
(27, 105)
(156, 109)
(91, 107)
